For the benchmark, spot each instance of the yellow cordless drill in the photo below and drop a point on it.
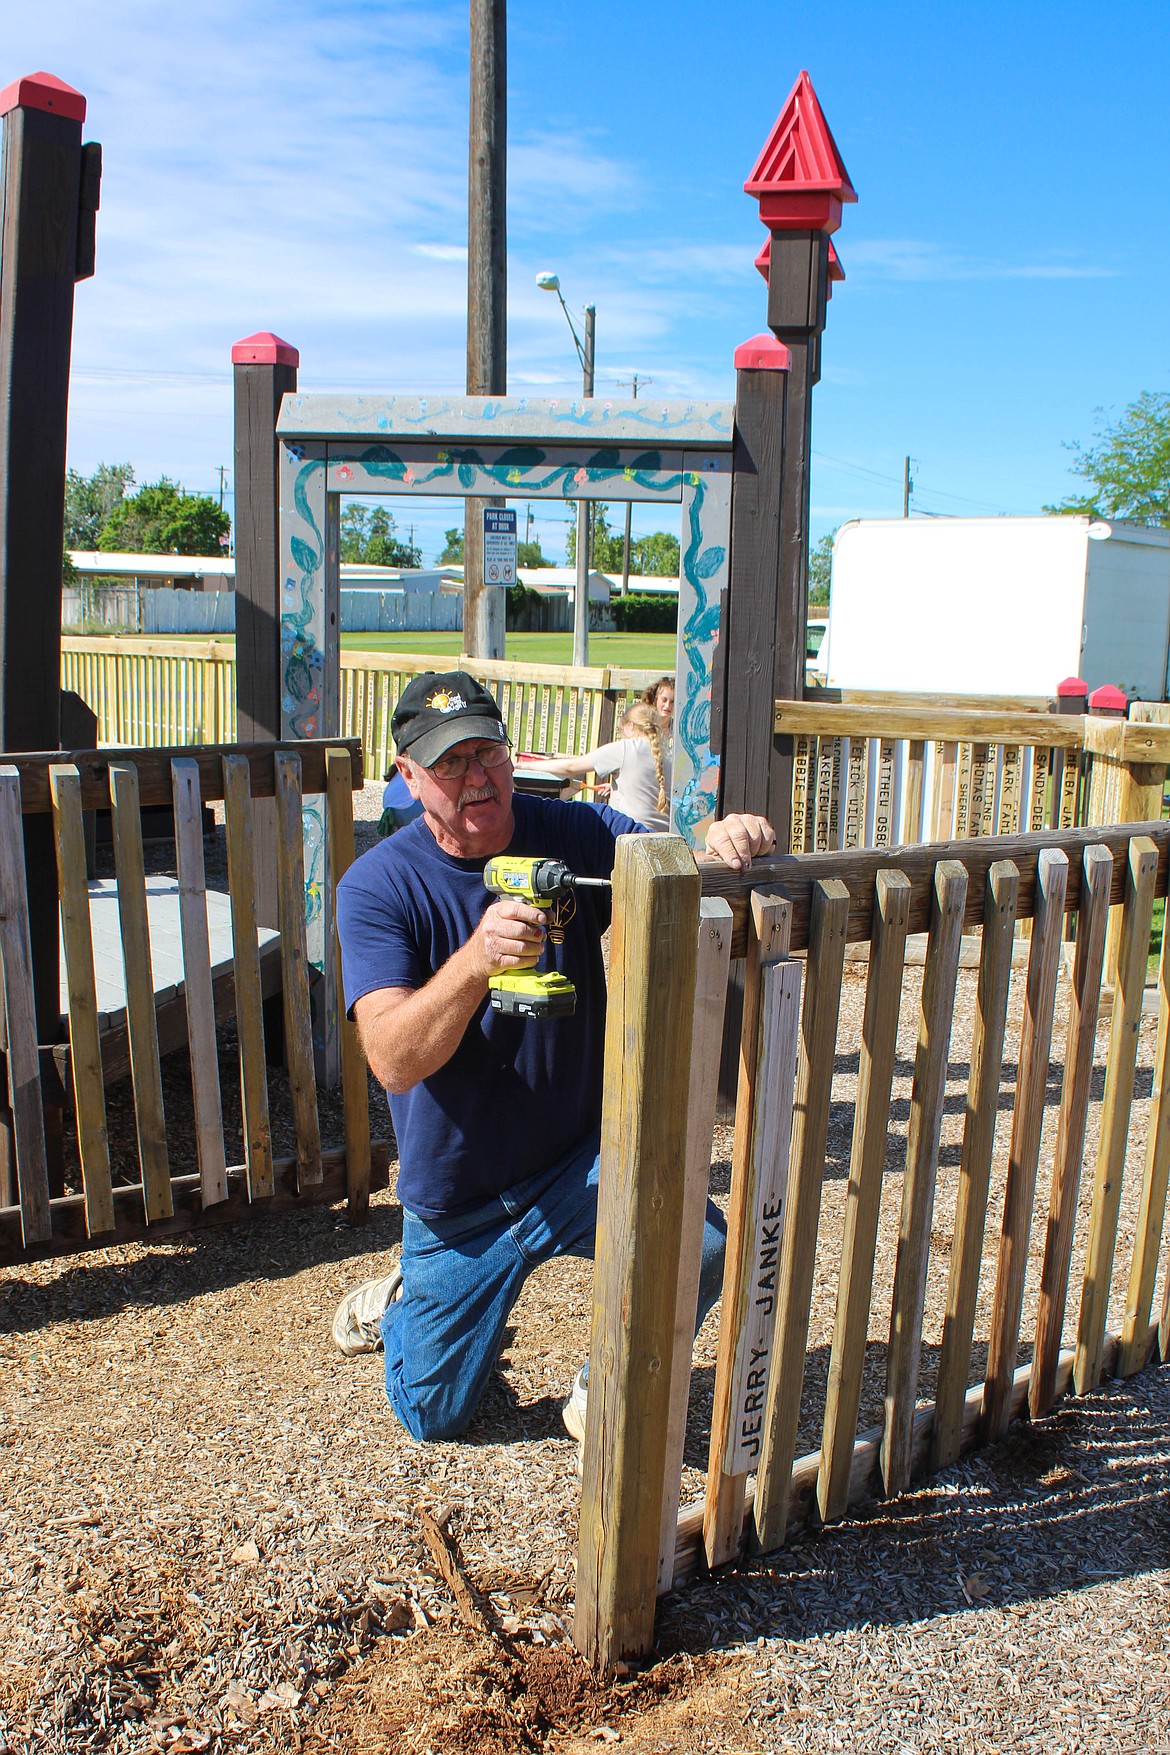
(547, 884)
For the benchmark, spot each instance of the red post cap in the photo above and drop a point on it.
(43, 91)
(1108, 699)
(264, 349)
(1072, 685)
(799, 178)
(763, 353)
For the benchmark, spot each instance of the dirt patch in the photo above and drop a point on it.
(458, 1693)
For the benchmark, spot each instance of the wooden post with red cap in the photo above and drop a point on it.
(264, 368)
(48, 202)
(746, 686)
(800, 183)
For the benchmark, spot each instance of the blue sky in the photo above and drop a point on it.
(302, 167)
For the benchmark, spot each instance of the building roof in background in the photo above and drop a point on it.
(355, 575)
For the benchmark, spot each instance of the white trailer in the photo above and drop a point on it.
(999, 606)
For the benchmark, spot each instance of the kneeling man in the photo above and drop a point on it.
(497, 1118)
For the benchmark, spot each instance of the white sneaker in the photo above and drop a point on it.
(357, 1324)
(573, 1414)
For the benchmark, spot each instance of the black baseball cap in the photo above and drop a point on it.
(441, 708)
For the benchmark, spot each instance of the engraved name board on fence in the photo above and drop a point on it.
(982, 813)
(780, 1027)
(963, 793)
(1038, 796)
(1010, 778)
(801, 763)
(855, 791)
(883, 806)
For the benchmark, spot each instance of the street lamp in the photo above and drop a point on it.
(549, 282)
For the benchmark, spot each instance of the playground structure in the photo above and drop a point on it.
(834, 776)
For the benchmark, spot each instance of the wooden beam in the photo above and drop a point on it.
(68, 1214)
(818, 719)
(797, 876)
(154, 770)
(40, 198)
(141, 1022)
(240, 838)
(1116, 1104)
(19, 1022)
(818, 1035)
(202, 1046)
(713, 952)
(749, 640)
(639, 1227)
(1068, 1154)
(867, 1164)
(767, 945)
(927, 1097)
(1152, 1202)
(294, 962)
(991, 1002)
(354, 1086)
(1024, 1150)
(259, 386)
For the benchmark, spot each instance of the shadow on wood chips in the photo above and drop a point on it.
(455, 1692)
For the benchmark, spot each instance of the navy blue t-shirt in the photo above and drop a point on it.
(517, 1093)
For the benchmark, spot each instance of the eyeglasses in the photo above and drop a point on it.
(489, 755)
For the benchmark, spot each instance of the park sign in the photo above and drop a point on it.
(499, 545)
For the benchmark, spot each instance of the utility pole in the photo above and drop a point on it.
(222, 475)
(634, 382)
(487, 307)
(584, 512)
(907, 489)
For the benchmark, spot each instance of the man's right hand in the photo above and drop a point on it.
(510, 936)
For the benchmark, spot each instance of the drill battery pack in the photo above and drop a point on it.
(525, 995)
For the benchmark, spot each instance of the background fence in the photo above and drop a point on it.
(184, 692)
(162, 609)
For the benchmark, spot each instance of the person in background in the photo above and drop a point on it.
(660, 696)
(637, 764)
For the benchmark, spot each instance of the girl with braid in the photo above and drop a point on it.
(638, 763)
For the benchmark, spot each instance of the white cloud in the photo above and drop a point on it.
(870, 259)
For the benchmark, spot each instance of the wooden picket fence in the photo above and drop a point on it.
(884, 773)
(148, 692)
(149, 1199)
(792, 917)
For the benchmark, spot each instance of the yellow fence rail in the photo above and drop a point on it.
(152, 692)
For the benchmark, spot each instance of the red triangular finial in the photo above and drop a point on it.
(799, 178)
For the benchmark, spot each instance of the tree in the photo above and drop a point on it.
(367, 537)
(1129, 467)
(452, 555)
(657, 555)
(820, 570)
(528, 554)
(605, 545)
(161, 519)
(89, 500)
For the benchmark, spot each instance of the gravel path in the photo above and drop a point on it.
(209, 1537)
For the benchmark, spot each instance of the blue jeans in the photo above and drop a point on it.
(462, 1275)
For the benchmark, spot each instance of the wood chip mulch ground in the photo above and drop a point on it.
(210, 1537)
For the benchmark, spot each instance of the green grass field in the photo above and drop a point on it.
(627, 651)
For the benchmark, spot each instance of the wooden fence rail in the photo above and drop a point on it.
(117, 1202)
(148, 692)
(758, 1489)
